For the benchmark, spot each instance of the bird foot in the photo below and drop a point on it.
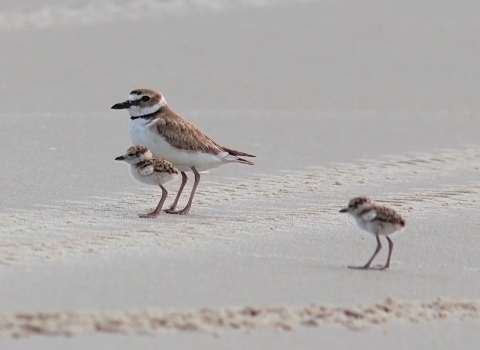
(179, 212)
(151, 215)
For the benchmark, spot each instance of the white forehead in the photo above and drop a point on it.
(162, 101)
(134, 97)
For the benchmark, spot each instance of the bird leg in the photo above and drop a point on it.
(390, 249)
(190, 200)
(158, 209)
(367, 265)
(179, 193)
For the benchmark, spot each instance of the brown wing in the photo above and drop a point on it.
(184, 135)
(162, 166)
(386, 214)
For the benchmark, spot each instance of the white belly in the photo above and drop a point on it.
(383, 228)
(365, 225)
(155, 179)
(141, 134)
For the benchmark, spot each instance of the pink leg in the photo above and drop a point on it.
(158, 209)
(190, 200)
(179, 193)
(367, 265)
(390, 249)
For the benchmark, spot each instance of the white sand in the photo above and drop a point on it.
(335, 98)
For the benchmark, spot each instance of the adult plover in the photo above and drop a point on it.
(377, 219)
(151, 171)
(169, 136)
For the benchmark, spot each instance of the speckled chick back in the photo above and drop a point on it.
(159, 165)
(386, 214)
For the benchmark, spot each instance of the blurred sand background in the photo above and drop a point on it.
(336, 99)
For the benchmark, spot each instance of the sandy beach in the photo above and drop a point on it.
(335, 98)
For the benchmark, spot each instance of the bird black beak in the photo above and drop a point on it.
(122, 105)
(344, 210)
(120, 158)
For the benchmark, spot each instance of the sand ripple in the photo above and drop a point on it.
(285, 318)
(90, 12)
(394, 170)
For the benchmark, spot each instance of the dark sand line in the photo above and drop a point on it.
(213, 320)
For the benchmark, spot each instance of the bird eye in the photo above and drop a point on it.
(131, 154)
(145, 98)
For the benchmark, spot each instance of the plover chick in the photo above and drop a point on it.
(151, 171)
(376, 219)
(167, 135)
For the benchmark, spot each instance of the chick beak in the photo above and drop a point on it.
(120, 158)
(344, 210)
